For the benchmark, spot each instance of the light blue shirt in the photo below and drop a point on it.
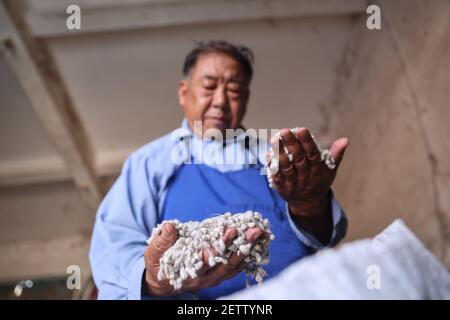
(132, 207)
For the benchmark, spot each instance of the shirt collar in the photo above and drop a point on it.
(185, 130)
(237, 143)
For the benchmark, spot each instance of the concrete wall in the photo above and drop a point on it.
(393, 101)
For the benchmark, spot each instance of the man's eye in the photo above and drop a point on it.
(209, 87)
(234, 91)
(234, 88)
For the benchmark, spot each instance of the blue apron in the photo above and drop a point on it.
(198, 191)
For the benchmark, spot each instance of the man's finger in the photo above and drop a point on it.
(338, 148)
(286, 168)
(234, 272)
(235, 262)
(278, 179)
(206, 253)
(309, 146)
(228, 237)
(160, 243)
(206, 275)
(298, 154)
(228, 275)
(292, 144)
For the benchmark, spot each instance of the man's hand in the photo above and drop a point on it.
(207, 276)
(305, 182)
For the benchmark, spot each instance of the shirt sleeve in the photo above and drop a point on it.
(339, 227)
(123, 224)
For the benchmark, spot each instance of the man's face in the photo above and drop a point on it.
(216, 93)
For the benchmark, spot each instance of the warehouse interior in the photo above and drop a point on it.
(75, 103)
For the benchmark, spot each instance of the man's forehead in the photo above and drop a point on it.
(208, 77)
(215, 65)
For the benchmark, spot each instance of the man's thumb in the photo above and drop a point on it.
(338, 148)
(169, 233)
(163, 241)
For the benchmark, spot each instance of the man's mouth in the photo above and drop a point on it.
(219, 120)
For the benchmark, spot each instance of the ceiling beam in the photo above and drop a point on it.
(52, 169)
(49, 20)
(36, 70)
(32, 171)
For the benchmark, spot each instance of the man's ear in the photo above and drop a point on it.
(182, 89)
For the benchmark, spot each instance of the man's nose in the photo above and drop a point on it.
(220, 99)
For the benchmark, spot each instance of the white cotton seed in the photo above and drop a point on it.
(160, 275)
(185, 257)
(211, 261)
(183, 273)
(222, 245)
(245, 248)
(191, 272)
(198, 265)
(220, 260)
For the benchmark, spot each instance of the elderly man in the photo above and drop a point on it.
(155, 186)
